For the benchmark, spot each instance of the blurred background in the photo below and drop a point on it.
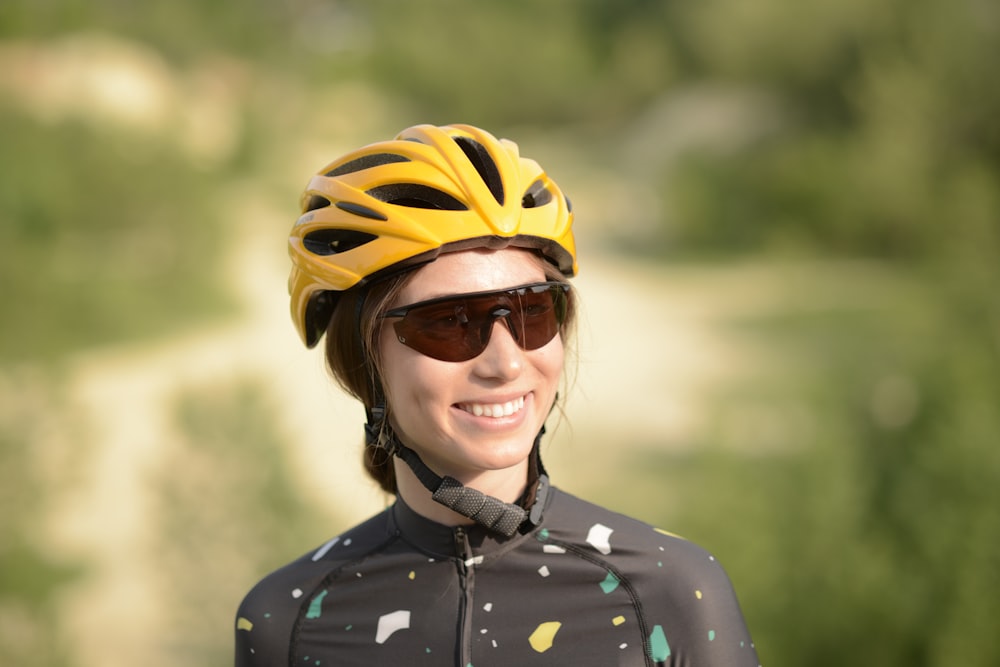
(789, 228)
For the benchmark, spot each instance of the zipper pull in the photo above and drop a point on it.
(463, 548)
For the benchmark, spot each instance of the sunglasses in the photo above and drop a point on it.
(458, 328)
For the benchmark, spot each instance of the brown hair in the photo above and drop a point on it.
(354, 359)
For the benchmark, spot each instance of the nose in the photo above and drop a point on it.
(503, 358)
(500, 313)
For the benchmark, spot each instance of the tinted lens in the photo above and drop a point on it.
(459, 328)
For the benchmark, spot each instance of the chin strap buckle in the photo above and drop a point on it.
(373, 426)
(541, 496)
(485, 510)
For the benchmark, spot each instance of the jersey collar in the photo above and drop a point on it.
(443, 541)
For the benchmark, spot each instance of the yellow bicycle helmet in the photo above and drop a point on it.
(394, 205)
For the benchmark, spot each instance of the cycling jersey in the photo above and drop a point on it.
(582, 586)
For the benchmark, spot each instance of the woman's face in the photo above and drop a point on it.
(442, 409)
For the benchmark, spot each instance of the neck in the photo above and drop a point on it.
(507, 485)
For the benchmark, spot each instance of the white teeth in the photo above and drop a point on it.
(494, 409)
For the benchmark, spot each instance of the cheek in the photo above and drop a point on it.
(551, 360)
(413, 383)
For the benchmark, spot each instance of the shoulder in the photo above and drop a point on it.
(611, 533)
(309, 569)
(675, 584)
(266, 617)
(629, 544)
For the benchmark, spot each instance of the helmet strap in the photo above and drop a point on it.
(488, 511)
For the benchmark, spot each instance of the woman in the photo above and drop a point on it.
(436, 265)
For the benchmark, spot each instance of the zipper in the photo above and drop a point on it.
(466, 569)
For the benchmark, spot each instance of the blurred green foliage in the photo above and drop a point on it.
(768, 130)
(889, 144)
(863, 515)
(31, 577)
(72, 197)
(230, 512)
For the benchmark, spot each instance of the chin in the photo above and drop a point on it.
(505, 453)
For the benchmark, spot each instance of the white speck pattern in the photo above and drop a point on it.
(391, 623)
(322, 551)
(599, 537)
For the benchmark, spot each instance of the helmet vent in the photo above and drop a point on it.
(536, 195)
(366, 162)
(327, 242)
(484, 164)
(415, 195)
(316, 202)
(358, 209)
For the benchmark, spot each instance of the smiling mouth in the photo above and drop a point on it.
(494, 409)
